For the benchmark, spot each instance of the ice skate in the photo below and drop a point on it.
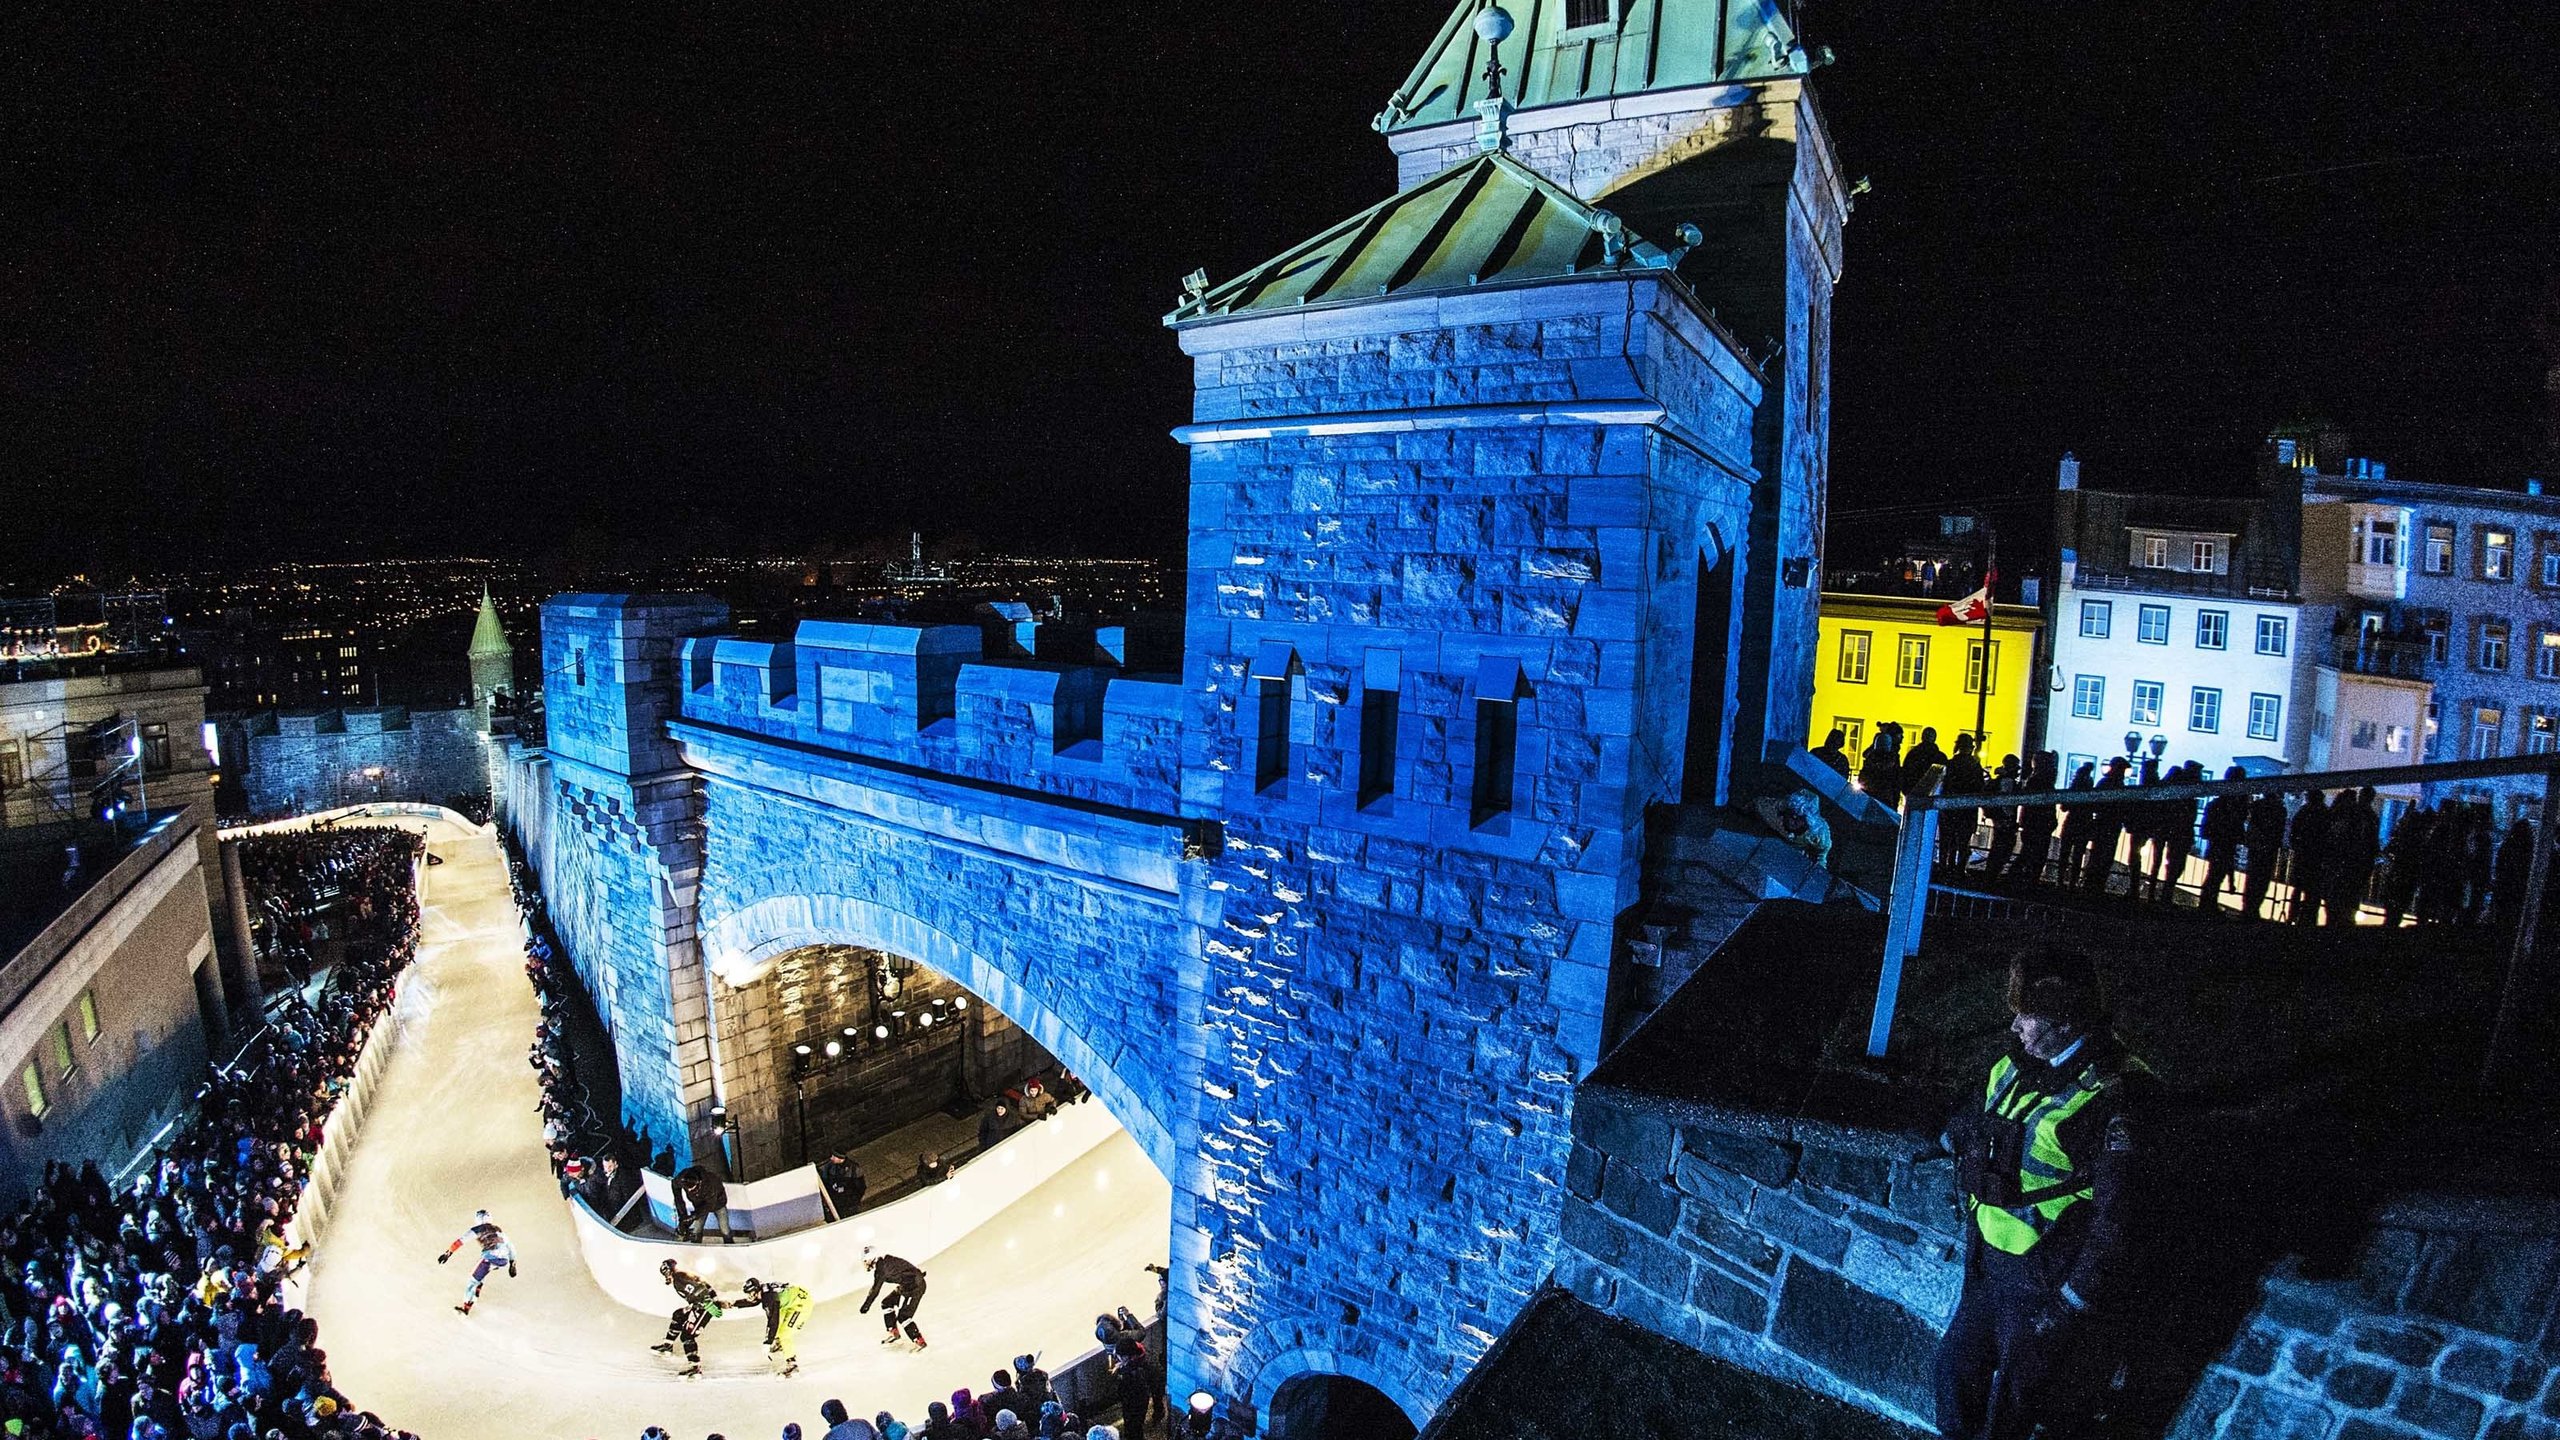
(463, 1309)
(791, 1369)
(891, 1338)
(690, 1372)
(664, 1347)
(915, 1335)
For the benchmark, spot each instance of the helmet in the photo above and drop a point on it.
(754, 1287)
(2058, 983)
(667, 1266)
(870, 1258)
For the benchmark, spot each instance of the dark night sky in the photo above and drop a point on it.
(425, 279)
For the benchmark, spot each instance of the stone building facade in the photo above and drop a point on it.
(1503, 519)
(302, 761)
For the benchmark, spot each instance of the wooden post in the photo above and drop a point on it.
(1908, 905)
(2523, 970)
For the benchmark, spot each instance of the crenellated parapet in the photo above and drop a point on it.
(925, 696)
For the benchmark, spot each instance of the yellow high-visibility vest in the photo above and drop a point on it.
(2050, 1180)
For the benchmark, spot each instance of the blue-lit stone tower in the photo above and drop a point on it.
(1504, 505)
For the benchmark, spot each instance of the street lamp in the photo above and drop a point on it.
(2159, 746)
(800, 1061)
(2132, 744)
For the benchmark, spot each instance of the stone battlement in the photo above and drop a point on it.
(925, 696)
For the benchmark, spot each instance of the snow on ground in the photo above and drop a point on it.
(546, 1354)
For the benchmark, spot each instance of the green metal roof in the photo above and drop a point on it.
(488, 637)
(1643, 45)
(1486, 221)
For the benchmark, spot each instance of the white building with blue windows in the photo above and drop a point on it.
(2176, 630)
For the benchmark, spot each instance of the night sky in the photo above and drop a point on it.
(307, 280)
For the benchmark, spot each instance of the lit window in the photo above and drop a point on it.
(2204, 711)
(2266, 719)
(1853, 733)
(2151, 625)
(1855, 647)
(2551, 567)
(2488, 726)
(2097, 619)
(2146, 701)
(62, 1063)
(2208, 556)
(2155, 552)
(2381, 541)
(2088, 696)
(33, 1079)
(1911, 666)
(2395, 739)
(2538, 733)
(2213, 629)
(2493, 645)
(2439, 549)
(88, 1014)
(1973, 667)
(2546, 656)
(2271, 634)
(2497, 555)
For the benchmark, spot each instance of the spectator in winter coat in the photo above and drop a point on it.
(2266, 849)
(2226, 827)
(1830, 751)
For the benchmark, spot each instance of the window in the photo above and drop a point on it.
(2439, 646)
(346, 652)
(1973, 668)
(2204, 711)
(2493, 645)
(2155, 552)
(1497, 744)
(2151, 625)
(2088, 697)
(2497, 555)
(13, 766)
(2207, 555)
(2266, 717)
(2538, 736)
(1383, 673)
(33, 1079)
(155, 749)
(2395, 739)
(62, 1062)
(2439, 549)
(2097, 618)
(1911, 667)
(1853, 733)
(2146, 701)
(2364, 736)
(2382, 541)
(2488, 723)
(2213, 629)
(88, 1014)
(1855, 647)
(1580, 14)
(2271, 634)
(1271, 740)
(2551, 567)
(2546, 656)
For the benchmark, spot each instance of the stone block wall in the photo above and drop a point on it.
(331, 758)
(2446, 1327)
(1827, 1259)
(922, 696)
(1350, 548)
(1831, 1265)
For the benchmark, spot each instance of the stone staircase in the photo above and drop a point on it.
(1707, 868)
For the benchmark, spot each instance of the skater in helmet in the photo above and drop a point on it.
(786, 1309)
(494, 1252)
(701, 1306)
(905, 1284)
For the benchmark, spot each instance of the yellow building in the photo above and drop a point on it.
(1886, 657)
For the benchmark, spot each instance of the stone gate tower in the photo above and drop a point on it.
(1505, 497)
(493, 660)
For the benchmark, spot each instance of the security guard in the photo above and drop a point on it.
(2048, 1161)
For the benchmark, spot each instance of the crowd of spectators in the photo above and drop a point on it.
(2305, 859)
(150, 1309)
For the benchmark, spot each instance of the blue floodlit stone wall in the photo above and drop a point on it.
(1396, 1000)
(321, 760)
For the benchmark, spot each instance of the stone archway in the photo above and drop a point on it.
(1271, 1384)
(741, 946)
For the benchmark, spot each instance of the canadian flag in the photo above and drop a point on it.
(1973, 608)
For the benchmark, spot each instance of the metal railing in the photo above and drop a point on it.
(1908, 907)
(2254, 585)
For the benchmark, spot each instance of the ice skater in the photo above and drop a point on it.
(905, 1284)
(494, 1252)
(701, 1306)
(786, 1309)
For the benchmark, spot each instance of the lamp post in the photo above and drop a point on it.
(800, 1094)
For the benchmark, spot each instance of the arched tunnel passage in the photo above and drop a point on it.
(1318, 1406)
(845, 1049)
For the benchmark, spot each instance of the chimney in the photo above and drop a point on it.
(2070, 477)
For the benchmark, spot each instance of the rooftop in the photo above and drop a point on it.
(1637, 46)
(1485, 222)
(37, 886)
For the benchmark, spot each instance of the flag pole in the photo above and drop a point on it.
(1982, 692)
